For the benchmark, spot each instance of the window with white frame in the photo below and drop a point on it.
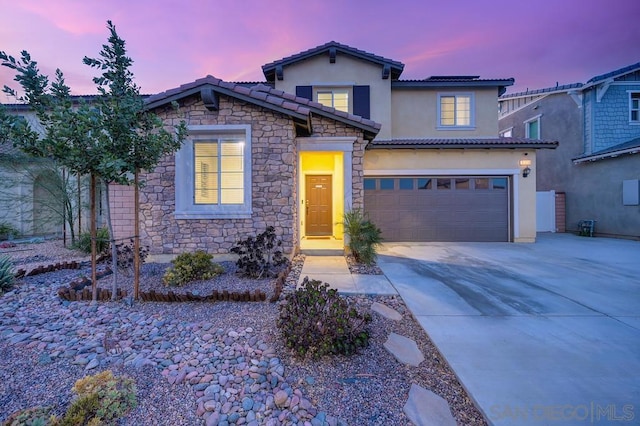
(456, 110)
(213, 173)
(334, 98)
(634, 107)
(507, 133)
(532, 128)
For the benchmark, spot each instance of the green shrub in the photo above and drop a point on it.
(82, 411)
(7, 231)
(36, 416)
(189, 267)
(6, 274)
(364, 236)
(83, 243)
(114, 397)
(259, 255)
(316, 321)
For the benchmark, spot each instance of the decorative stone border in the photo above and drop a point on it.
(80, 289)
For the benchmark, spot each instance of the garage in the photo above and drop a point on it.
(439, 208)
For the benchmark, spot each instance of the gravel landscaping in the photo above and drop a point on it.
(204, 363)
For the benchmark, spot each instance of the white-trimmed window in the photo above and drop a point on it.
(507, 133)
(334, 98)
(634, 107)
(213, 173)
(532, 128)
(456, 110)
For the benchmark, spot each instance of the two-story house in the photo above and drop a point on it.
(596, 166)
(334, 128)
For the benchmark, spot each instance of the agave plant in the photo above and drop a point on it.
(6, 274)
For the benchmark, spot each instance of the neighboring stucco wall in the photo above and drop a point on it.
(561, 120)
(346, 71)
(595, 192)
(468, 162)
(274, 172)
(610, 119)
(414, 113)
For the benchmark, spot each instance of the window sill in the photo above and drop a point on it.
(455, 127)
(211, 215)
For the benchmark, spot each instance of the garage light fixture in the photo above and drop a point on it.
(527, 170)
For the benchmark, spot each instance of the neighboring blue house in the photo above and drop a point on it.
(597, 163)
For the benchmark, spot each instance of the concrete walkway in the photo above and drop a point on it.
(335, 271)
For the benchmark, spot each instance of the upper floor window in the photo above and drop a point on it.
(634, 107)
(507, 133)
(456, 110)
(213, 173)
(532, 128)
(336, 98)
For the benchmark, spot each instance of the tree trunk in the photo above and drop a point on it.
(94, 277)
(79, 204)
(114, 249)
(136, 244)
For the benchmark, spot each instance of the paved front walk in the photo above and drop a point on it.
(538, 334)
(335, 271)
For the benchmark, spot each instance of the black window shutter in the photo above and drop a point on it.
(361, 101)
(305, 92)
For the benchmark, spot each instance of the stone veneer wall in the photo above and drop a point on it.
(274, 174)
(326, 127)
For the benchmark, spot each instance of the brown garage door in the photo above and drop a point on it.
(425, 208)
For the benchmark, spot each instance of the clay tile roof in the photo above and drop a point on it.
(458, 143)
(266, 96)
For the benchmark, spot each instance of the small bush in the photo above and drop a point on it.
(316, 321)
(7, 231)
(114, 397)
(36, 416)
(364, 236)
(258, 256)
(189, 267)
(83, 243)
(126, 254)
(6, 274)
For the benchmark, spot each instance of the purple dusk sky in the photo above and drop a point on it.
(173, 42)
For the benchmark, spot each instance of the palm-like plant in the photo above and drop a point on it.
(364, 236)
(6, 274)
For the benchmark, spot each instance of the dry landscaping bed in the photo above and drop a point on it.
(161, 344)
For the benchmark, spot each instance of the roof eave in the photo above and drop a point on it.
(613, 154)
(302, 118)
(461, 146)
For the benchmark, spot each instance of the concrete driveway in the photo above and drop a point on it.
(545, 333)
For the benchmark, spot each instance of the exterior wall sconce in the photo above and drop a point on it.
(527, 170)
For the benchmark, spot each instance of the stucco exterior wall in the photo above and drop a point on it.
(345, 72)
(561, 120)
(468, 162)
(274, 173)
(595, 192)
(414, 114)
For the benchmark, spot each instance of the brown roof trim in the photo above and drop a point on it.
(390, 67)
(463, 143)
